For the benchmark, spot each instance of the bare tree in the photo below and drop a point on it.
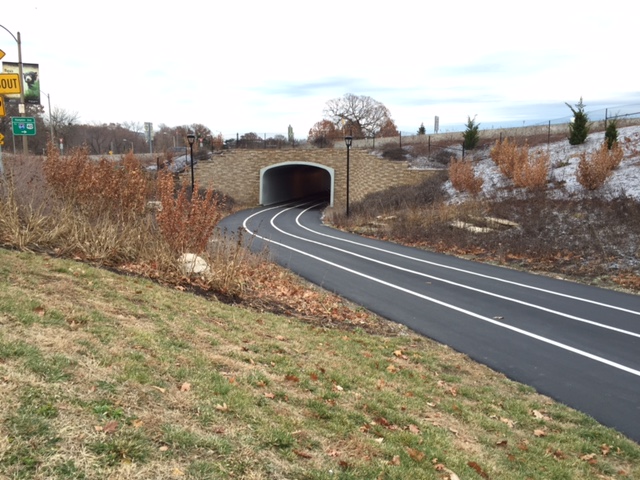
(61, 120)
(357, 114)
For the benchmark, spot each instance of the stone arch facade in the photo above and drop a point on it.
(238, 173)
(291, 180)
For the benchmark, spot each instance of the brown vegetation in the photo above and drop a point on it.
(116, 214)
(595, 168)
(517, 163)
(463, 177)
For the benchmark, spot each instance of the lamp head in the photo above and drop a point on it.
(192, 138)
(348, 140)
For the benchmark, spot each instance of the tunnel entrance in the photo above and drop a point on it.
(294, 181)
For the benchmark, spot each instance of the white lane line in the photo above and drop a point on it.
(461, 270)
(448, 305)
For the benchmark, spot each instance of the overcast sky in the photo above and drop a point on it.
(260, 66)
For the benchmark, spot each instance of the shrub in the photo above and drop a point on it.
(463, 177)
(116, 188)
(517, 164)
(471, 135)
(611, 134)
(186, 224)
(594, 169)
(391, 151)
(579, 127)
(507, 156)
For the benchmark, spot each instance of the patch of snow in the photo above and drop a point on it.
(564, 158)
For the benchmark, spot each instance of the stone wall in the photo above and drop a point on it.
(237, 172)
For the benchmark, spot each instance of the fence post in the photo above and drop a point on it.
(549, 134)
(400, 139)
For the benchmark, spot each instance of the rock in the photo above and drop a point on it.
(192, 264)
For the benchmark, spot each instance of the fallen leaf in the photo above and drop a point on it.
(605, 449)
(333, 453)
(39, 311)
(398, 353)
(137, 423)
(313, 377)
(416, 455)
(269, 395)
(391, 369)
(222, 408)
(163, 448)
(395, 460)
(501, 443)
(539, 433)
(97, 428)
(177, 472)
(507, 421)
(478, 469)
(185, 387)
(110, 427)
(414, 429)
(291, 378)
(161, 390)
(302, 454)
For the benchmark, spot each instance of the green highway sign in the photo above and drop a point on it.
(23, 125)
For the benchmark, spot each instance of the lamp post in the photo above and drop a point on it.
(25, 147)
(191, 138)
(50, 118)
(347, 140)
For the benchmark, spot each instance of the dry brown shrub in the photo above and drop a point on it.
(508, 156)
(186, 223)
(463, 177)
(517, 164)
(533, 172)
(118, 188)
(594, 169)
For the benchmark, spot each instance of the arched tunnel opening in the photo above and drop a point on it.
(296, 181)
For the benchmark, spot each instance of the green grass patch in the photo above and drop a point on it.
(163, 384)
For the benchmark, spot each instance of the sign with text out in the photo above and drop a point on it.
(9, 83)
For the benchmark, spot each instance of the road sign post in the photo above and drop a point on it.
(23, 126)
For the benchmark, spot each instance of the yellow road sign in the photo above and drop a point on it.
(1, 139)
(1, 106)
(9, 83)
(1, 54)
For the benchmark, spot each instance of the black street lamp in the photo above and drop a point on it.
(348, 140)
(192, 138)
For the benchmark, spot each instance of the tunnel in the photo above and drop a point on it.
(294, 181)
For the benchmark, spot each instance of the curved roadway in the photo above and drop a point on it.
(577, 344)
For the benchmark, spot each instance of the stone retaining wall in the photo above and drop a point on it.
(237, 172)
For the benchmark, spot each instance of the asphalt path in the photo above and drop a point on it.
(578, 344)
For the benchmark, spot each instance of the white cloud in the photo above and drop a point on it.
(260, 66)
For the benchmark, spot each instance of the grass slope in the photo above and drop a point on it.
(107, 376)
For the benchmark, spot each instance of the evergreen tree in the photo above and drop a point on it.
(579, 127)
(611, 134)
(422, 130)
(471, 136)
